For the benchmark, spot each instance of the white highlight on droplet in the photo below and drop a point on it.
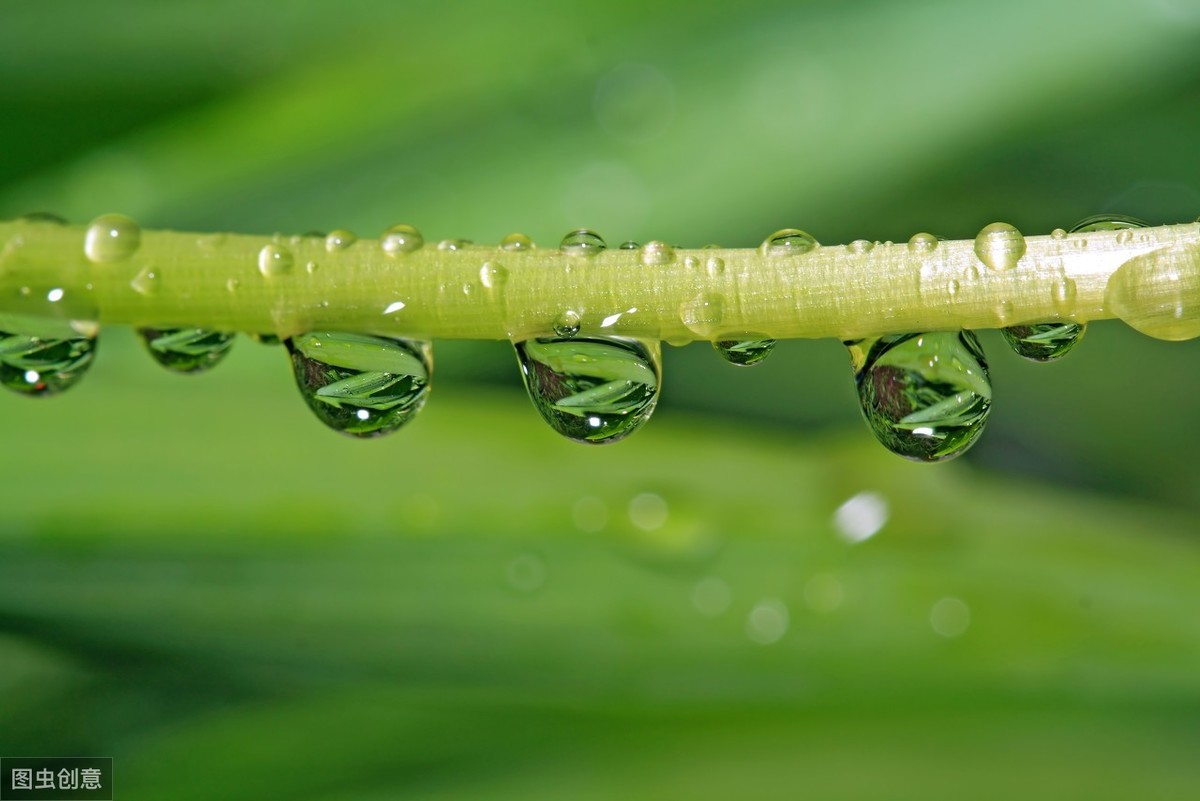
(55, 295)
(950, 617)
(861, 517)
(394, 307)
(767, 621)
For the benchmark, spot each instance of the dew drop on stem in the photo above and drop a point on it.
(925, 397)
(111, 237)
(359, 385)
(593, 390)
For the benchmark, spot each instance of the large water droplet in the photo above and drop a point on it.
(702, 314)
(788, 242)
(925, 396)
(492, 275)
(43, 366)
(1043, 342)
(567, 324)
(923, 243)
(656, 253)
(515, 243)
(361, 385)
(744, 352)
(401, 239)
(999, 246)
(591, 390)
(274, 260)
(186, 350)
(1158, 293)
(339, 239)
(111, 237)
(582, 242)
(1107, 222)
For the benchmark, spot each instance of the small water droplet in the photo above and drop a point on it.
(452, 244)
(111, 237)
(401, 239)
(1043, 342)
(744, 352)
(1005, 311)
(145, 282)
(629, 244)
(363, 386)
(210, 241)
(582, 242)
(1063, 295)
(952, 287)
(702, 314)
(339, 239)
(926, 397)
(860, 246)
(232, 285)
(186, 350)
(311, 267)
(1107, 222)
(691, 262)
(1158, 293)
(492, 275)
(788, 242)
(1058, 233)
(922, 243)
(591, 390)
(657, 253)
(715, 266)
(515, 243)
(274, 260)
(999, 246)
(43, 366)
(567, 324)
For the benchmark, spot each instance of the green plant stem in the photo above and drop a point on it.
(484, 292)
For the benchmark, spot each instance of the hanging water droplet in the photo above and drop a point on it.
(339, 239)
(702, 314)
(591, 390)
(274, 260)
(788, 242)
(567, 324)
(656, 253)
(922, 243)
(492, 275)
(43, 366)
(1158, 293)
(1107, 222)
(744, 352)
(186, 350)
(145, 282)
(401, 239)
(999, 246)
(111, 237)
(926, 397)
(1043, 342)
(629, 244)
(582, 242)
(361, 385)
(515, 243)
(266, 339)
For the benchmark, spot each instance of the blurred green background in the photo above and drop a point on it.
(199, 580)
